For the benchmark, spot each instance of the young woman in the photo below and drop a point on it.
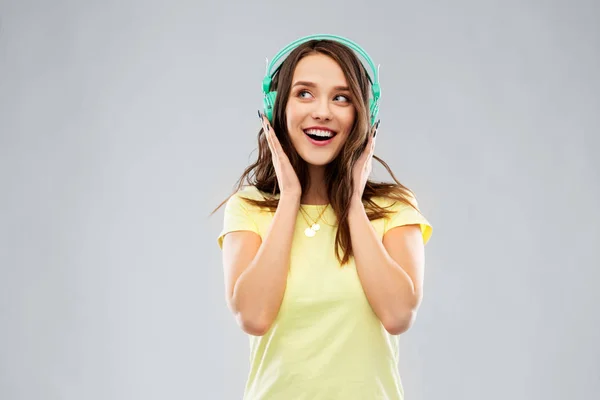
(323, 267)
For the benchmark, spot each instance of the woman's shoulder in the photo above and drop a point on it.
(251, 199)
(407, 200)
(251, 192)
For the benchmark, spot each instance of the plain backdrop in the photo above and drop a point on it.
(124, 123)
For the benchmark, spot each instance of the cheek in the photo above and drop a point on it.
(342, 139)
(348, 116)
(291, 116)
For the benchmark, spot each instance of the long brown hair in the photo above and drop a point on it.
(338, 174)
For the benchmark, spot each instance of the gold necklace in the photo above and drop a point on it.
(312, 229)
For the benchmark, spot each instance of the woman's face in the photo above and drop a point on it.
(319, 112)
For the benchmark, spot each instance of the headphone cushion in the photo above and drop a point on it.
(269, 104)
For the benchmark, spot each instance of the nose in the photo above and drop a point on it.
(322, 110)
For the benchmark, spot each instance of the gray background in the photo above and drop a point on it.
(124, 123)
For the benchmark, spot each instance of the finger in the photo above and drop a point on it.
(375, 128)
(374, 137)
(277, 144)
(274, 141)
(370, 160)
(371, 151)
(367, 150)
(270, 143)
(373, 141)
(269, 138)
(267, 134)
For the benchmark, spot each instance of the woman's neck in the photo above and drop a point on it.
(316, 194)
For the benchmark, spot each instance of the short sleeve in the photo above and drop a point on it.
(237, 217)
(404, 214)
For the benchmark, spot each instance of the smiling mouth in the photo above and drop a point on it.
(319, 135)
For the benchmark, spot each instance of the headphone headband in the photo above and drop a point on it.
(375, 89)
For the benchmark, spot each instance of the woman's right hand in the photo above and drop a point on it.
(289, 185)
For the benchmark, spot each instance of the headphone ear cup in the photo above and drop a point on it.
(268, 105)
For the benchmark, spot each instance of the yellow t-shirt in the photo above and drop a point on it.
(326, 342)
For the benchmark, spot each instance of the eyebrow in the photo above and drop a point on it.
(311, 84)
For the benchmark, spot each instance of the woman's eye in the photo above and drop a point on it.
(302, 92)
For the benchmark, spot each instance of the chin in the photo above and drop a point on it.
(317, 161)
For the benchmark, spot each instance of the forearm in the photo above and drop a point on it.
(389, 289)
(259, 290)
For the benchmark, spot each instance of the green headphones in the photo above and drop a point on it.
(269, 97)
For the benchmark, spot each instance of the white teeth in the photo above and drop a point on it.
(318, 132)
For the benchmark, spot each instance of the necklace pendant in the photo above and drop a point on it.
(315, 227)
(309, 232)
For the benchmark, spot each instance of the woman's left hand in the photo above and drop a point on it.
(364, 165)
